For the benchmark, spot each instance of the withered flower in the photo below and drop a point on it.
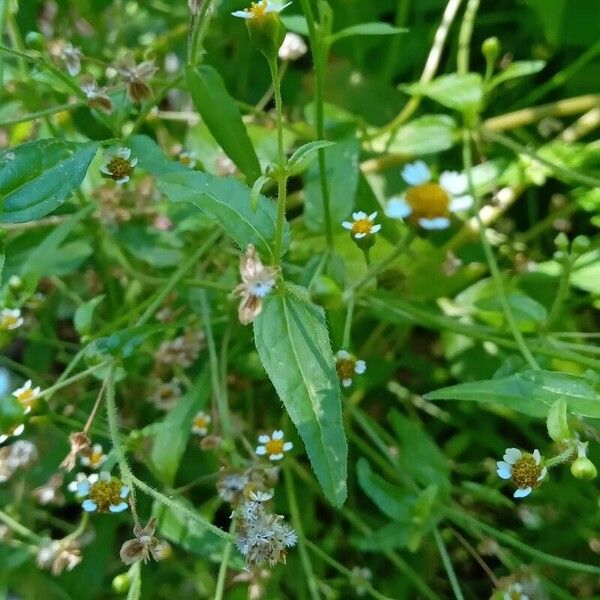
(59, 555)
(257, 281)
(79, 442)
(136, 77)
(97, 97)
(71, 57)
(50, 492)
(142, 545)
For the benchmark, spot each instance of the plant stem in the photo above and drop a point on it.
(66, 382)
(464, 36)
(281, 167)
(348, 323)
(20, 529)
(561, 294)
(491, 259)
(220, 588)
(448, 565)
(311, 581)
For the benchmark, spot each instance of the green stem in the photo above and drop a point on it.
(491, 259)
(348, 324)
(20, 529)
(448, 565)
(396, 44)
(281, 167)
(311, 581)
(66, 382)
(220, 588)
(561, 294)
(464, 37)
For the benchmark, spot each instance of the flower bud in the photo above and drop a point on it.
(581, 244)
(561, 241)
(583, 468)
(121, 583)
(491, 49)
(34, 40)
(267, 34)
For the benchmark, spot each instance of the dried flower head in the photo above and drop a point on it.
(80, 442)
(257, 282)
(201, 423)
(119, 165)
(50, 492)
(273, 446)
(16, 456)
(10, 318)
(293, 47)
(93, 457)
(102, 493)
(59, 555)
(71, 57)
(526, 470)
(347, 366)
(262, 537)
(97, 97)
(136, 77)
(429, 203)
(166, 394)
(142, 545)
(27, 395)
(182, 350)
(231, 486)
(362, 225)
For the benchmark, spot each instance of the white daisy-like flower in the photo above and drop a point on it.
(201, 423)
(188, 159)
(347, 366)
(258, 10)
(102, 493)
(27, 395)
(524, 469)
(273, 446)
(94, 458)
(514, 592)
(427, 202)
(119, 166)
(362, 225)
(14, 431)
(10, 318)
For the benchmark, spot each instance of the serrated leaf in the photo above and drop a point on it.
(530, 392)
(459, 92)
(223, 118)
(303, 156)
(37, 177)
(342, 171)
(82, 319)
(367, 29)
(519, 68)
(228, 202)
(293, 343)
(174, 431)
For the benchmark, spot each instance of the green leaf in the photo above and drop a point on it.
(342, 175)
(367, 29)
(293, 343)
(82, 320)
(519, 68)
(586, 272)
(303, 156)
(39, 176)
(295, 23)
(222, 117)
(459, 92)
(531, 392)
(527, 312)
(228, 202)
(151, 158)
(389, 499)
(174, 430)
(426, 135)
(557, 423)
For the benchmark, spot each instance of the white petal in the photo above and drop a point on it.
(89, 505)
(373, 216)
(124, 492)
(522, 492)
(375, 228)
(460, 203)
(537, 456)
(122, 180)
(287, 446)
(360, 367)
(242, 14)
(263, 439)
(435, 223)
(276, 457)
(512, 455)
(133, 162)
(359, 236)
(454, 183)
(503, 470)
(359, 215)
(261, 450)
(543, 474)
(416, 173)
(277, 434)
(398, 208)
(347, 225)
(343, 354)
(346, 382)
(117, 508)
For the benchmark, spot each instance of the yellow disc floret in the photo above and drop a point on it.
(428, 201)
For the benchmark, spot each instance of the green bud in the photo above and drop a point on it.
(121, 583)
(561, 241)
(491, 49)
(581, 244)
(560, 256)
(364, 243)
(267, 33)
(583, 468)
(325, 292)
(35, 41)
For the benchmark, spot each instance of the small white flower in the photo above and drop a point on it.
(94, 458)
(119, 165)
(525, 470)
(514, 592)
(201, 423)
(27, 395)
(258, 10)
(188, 159)
(10, 318)
(273, 446)
(427, 202)
(362, 224)
(347, 366)
(293, 47)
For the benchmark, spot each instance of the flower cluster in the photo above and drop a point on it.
(347, 366)
(524, 469)
(273, 446)
(182, 350)
(16, 456)
(59, 555)
(262, 537)
(100, 492)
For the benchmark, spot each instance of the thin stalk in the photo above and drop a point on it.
(348, 323)
(396, 44)
(311, 580)
(42, 113)
(281, 170)
(448, 565)
(220, 588)
(66, 382)
(464, 37)
(20, 529)
(491, 259)
(561, 294)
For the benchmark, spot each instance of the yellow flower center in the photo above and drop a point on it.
(258, 9)
(96, 458)
(106, 493)
(274, 447)
(201, 422)
(185, 159)
(8, 321)
(119, 167)
(525, 472)
(26, 396)
(362, 226)
(345, 367)
(428, 201)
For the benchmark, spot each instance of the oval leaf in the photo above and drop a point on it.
(222, 117)
(367, 29)
(37, 177)
(293, 343)
(460, 92)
